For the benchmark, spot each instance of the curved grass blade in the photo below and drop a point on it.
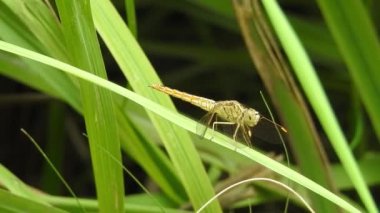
(16, 186)
(286, 96)
(140, 73)
(183, 122)
(357, 39)
(13, 203)
(311, 84)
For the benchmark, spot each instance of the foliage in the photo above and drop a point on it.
(195, 46)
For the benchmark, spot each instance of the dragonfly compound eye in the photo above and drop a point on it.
(251, 117)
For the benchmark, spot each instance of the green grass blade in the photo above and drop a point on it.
(140, 75)
(286, 96)
(184, 123)
(131, 16)
(139, 203)
(151, 158)
(41, 21)
(355, 34)
(10, 203)
(318, 99)
(16, 186)
(148, 155)
(55, 138)
(98, 106)
(14, 29)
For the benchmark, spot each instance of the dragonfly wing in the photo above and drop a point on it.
(204, 123)
(267, 132)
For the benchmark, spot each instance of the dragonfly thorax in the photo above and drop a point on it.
(235, 112)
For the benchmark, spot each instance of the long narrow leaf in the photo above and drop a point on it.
(311, 85)
(12, 203)
(98, 107)
(359, 45)
(140, 74)
(183, 122)
(287, 97)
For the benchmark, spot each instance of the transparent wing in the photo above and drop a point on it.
(266, 132)
(263, 133)
(208, 120)
(205, 122)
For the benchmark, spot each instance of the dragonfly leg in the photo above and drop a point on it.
(213, 127)
(221, 123)
(246, 133)
(214, 124)
(236, 131)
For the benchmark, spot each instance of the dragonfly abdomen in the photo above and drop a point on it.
(203, 103)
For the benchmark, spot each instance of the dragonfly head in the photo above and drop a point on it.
(251, 117)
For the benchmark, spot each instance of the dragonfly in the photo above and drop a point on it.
(230, 111)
